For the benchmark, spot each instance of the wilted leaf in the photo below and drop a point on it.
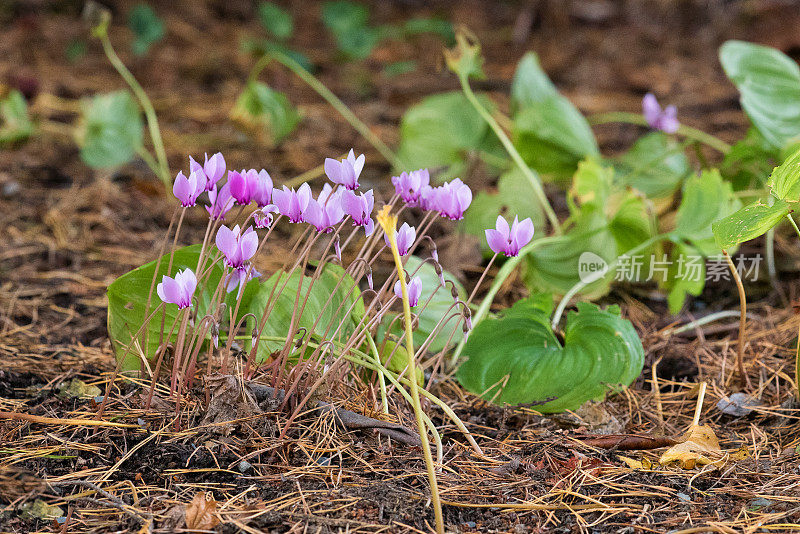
(78, 389)
(699, 446)
(769, 84)
(111, 130)
(517, 359)
(201, 512)
(39, 509)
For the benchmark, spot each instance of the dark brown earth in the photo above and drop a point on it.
(67, 231)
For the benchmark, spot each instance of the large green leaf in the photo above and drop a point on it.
(514, 197)
(530, 83)
(332, 300)
(517, 359)
(265, 112)
(111, 130)
(769, 85)
(549, 132)
(127, 300)
(706, 198)
(552, 136)
(785, 179)
(15, 124)
(749, 222)
(439, 130)
(655, 165)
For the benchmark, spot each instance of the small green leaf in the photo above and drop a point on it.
(15, 124)
(442, 28)
(439, 130)
(706, 198)
(75, 50)
(111, 129)
(276, 20)
(785, 179)
(348, 22)
(686, 275)
(517, 359)
(749, 223)
(265, 112)
(552, 136)
(147, 28)
(515, 196)
(769, 84)
(655, 165)
(465, 57)
(749, 162)
(40, 510)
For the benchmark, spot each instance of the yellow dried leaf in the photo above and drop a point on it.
(201, 512)
(643, 464)
(699, 446)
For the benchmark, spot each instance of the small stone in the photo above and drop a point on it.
(684, 497)
(758, 504)
(244, 466)
(738, 405)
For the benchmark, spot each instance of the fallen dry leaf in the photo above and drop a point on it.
(698, 447)
(201, 512)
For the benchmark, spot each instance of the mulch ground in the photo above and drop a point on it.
(67, 232)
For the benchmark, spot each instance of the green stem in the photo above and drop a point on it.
(794, 224)
(338, 105)
(149, 160)
(509, 146)
(147, 106)
(600, 274)
(381, 380)
(683, 130)
(504, 272)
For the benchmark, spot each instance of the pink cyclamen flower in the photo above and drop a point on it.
(186, 190)
(237, 246)
(240, 276)
(509, 240)
(292, 204)
(325, 212)
(414, 290)
(214, 169)
(665, 120)
(359, 208)
(261, 191)
(221, 201)
(427, 199)
(239, 186)
(178, 290)
(452, 199)
(409, 185)
(263, 217)
(404, 238)
(345, 172)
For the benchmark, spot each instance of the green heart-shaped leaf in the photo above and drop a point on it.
(265, 112)
(15, 124)
(769, 84)
(655, 165)
(517, 359)
(276, 20)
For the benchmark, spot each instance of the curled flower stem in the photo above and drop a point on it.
(509, 146)
(742, 320)
(147, 106)
(683, 130)
(338, 105)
